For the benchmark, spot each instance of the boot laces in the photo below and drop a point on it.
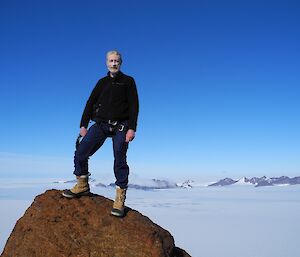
(122, 196)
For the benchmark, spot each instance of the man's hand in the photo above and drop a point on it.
(83, 131)
(130, 135)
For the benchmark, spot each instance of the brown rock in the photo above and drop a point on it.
(54, 226)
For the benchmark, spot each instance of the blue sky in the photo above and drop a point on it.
(218, 83)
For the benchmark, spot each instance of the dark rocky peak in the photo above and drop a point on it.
(256, 180)
(224, 182)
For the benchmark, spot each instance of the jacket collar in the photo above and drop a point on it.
(119, 74)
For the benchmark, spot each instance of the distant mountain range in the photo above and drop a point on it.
(259, 182)
(150, 184)
(144, 184)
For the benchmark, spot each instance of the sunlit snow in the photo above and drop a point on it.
(234, 221)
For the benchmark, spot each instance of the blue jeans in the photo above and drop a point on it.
(93, 140)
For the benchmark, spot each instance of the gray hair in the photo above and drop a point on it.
(114, 52)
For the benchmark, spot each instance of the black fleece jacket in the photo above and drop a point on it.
(113, 99)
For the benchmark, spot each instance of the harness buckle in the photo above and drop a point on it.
(121, 128)
(112, 122)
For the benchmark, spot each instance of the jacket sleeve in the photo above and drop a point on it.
(88, 110)
(133, 102)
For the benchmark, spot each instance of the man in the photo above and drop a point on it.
(113, 105)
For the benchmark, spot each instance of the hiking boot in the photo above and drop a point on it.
(80, 189)
(119, 203)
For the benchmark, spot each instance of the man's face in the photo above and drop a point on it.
(113, 63)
